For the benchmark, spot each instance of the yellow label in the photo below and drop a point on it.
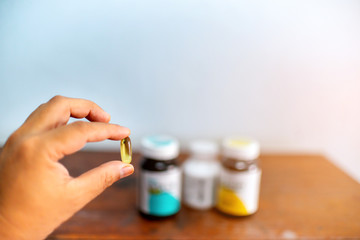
(239, 143)
(238, 193)
(230, 203)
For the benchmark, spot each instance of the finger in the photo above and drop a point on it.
(90, 184)
(72, 137)
(58, 111)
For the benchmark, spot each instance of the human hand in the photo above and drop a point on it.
(37, 193)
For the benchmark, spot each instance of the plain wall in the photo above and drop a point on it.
(284, 72)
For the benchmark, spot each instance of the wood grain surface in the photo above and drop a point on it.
(302, 197)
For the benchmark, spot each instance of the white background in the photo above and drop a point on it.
(284, 72)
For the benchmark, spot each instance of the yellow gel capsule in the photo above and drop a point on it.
(125, 150)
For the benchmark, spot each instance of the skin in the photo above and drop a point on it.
(37, 193)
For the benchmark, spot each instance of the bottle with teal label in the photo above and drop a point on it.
(160, 177)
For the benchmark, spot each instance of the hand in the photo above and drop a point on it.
(37, 193)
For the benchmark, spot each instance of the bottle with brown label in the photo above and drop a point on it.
(160, 177)
(238, 192)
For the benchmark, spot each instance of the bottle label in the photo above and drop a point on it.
(160, 192)
(238, 193)
(199, 191)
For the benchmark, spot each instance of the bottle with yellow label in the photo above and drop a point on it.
(239, 188)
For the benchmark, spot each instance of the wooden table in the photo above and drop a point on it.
(302, 196)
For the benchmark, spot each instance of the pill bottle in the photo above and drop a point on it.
(240, 174)
(159, 191)
(200, 175)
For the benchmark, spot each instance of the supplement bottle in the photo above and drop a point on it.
(201, 173)
(160, 177)
(238, 192)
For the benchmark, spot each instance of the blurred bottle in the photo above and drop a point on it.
(240, 175)
(160, 177)
(201, 172)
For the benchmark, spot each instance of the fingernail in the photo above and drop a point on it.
(108, 116)
(126, 171)
(126, 129)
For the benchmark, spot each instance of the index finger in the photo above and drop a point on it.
(68, 139)
(57, 112)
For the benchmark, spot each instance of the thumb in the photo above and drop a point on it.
(93, 182)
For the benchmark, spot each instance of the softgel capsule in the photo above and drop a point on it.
(125, 150)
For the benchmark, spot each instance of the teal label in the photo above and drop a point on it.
(163, 204)
(160, 192)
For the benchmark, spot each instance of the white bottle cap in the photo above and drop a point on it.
(241, 148)
(203, 148)
(160, 147)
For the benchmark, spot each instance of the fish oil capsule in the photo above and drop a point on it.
(240, 175)
(125, 150)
